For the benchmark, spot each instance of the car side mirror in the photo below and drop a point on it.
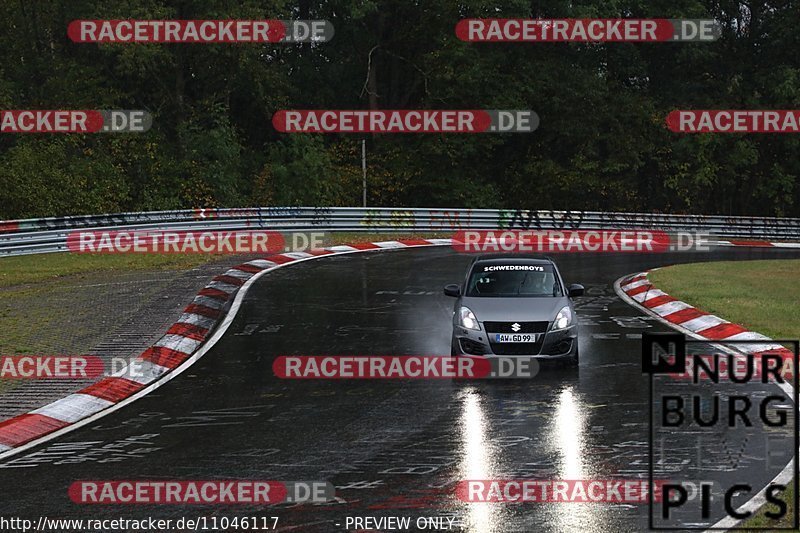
(574, 290)
(452, 290)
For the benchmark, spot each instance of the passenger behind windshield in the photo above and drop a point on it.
(513, 280)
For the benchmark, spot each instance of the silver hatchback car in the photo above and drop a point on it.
(515, 305)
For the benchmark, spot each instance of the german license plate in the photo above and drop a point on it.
(514, 337)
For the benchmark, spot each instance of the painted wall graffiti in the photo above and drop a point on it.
(321, 216)
(521, 219)
(432, 219)
(527, 219)
(287, 211)
(376, 218)
(451, 220)
(738, 226)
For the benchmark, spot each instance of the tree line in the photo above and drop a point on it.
(601, 144)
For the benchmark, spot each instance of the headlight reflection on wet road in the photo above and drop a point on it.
(569, 448)
(479, 461)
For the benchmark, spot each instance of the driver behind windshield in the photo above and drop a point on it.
(511, 282)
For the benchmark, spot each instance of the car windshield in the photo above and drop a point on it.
(509, 280)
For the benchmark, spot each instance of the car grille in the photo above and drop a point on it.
(514, 348)
(524, 327)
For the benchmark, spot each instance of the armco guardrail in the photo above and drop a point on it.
(43, 235)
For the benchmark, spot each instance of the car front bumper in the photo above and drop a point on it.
(559, 344)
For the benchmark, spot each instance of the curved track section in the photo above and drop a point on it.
(392, 448)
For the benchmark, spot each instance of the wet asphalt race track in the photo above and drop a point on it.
(391, 448)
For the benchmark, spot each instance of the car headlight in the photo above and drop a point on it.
(563, 318)
(467, 319)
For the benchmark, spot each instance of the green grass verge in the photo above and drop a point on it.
(760, 295)
(25, 269)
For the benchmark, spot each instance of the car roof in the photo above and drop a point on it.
(514, 259)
